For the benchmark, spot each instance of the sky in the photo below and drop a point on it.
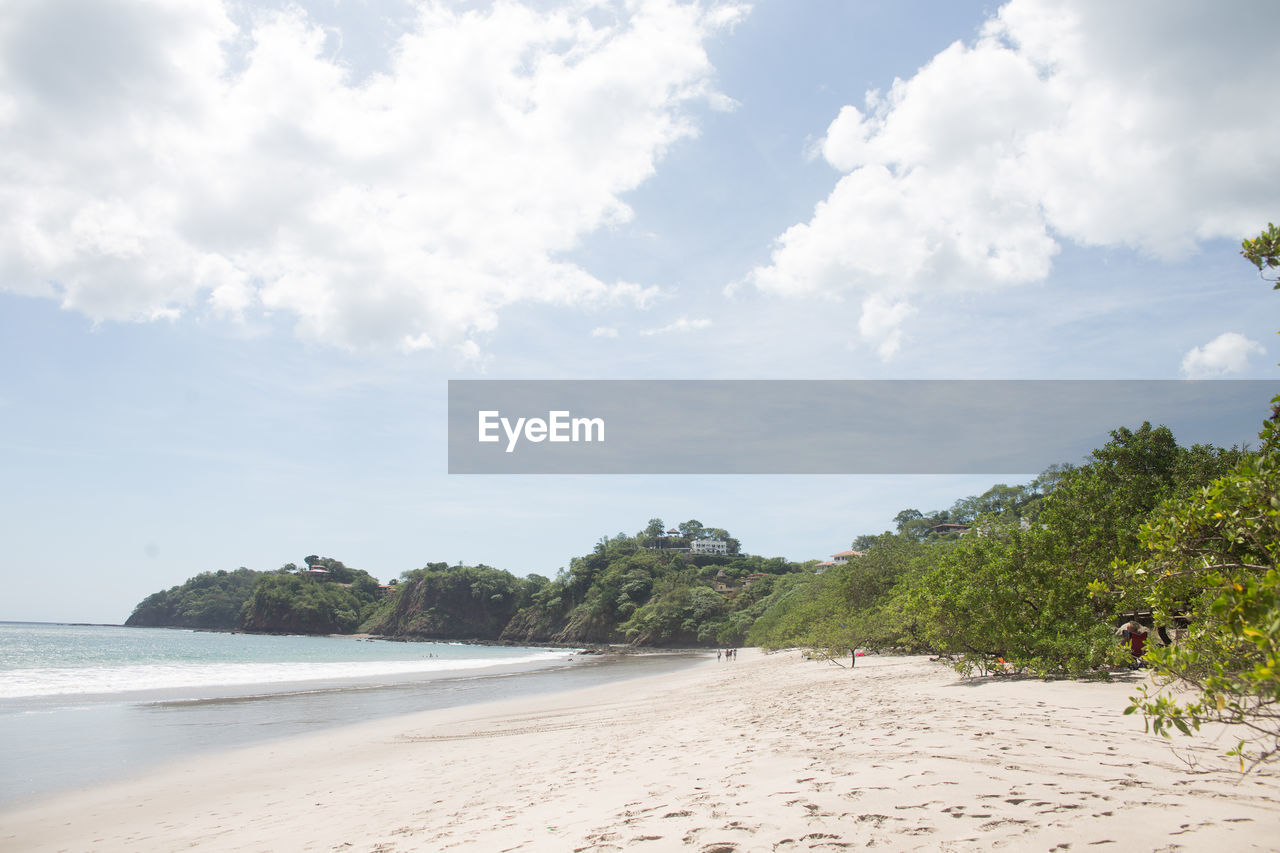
(245, 245)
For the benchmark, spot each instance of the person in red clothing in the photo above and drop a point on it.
(1136, 636)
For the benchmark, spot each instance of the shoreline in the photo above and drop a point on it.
(769, 752)
(62, 742)
(585, 648)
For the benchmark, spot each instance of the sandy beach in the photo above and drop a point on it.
(769, 752)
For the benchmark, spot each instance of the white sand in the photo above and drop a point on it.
(766, 753)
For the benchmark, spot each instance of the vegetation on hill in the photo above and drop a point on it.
(683, 535)
(644, 588)
(287, 601)
(210, 600)
(649, 590)
(453, 602)
(292, 602)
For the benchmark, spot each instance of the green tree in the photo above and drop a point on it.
(864, 541)
(1263, 252)
(208, 600)
(691, 529)
(293, 604)
(454, 602)
(858, 604)
(1213, 566)
(1031, 596)
(903, 519)
(623, 591)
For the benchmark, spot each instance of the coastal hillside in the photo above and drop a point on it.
(210, 600)
(452, 603)
(687, 585)
(642, 590)
(323, 597)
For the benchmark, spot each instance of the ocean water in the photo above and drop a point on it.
(41, 661)
(81, 705)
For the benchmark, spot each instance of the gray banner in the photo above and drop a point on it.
(827, 426)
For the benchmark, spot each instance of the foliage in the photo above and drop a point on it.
(294, 603)
(1003, 599)
(210, 600)
(338, 572)
(284, 601)
(860, 604)
(644, 589)
(1263, 251)
(655, 535)
(1017, 587)
(453, 602)
(682, 611)
(1027, 595)
(790, 611)
(1211, 570)
(1212, 564)
(1007, 502)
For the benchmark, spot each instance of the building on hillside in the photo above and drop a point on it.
(709, 546)
(836, 560)
(724, 583)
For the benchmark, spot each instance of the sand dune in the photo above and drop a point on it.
(767, 753)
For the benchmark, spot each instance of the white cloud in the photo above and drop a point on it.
(881, 323)
(159, 159)
(1109, 124)
(1227, 353)
(604, 332)
(680, 324)
(469, 353)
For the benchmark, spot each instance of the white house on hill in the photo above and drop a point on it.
(837, 560)
(708, 546)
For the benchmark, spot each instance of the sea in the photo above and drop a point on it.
(82, 705)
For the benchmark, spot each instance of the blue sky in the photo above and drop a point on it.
(245, 245)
